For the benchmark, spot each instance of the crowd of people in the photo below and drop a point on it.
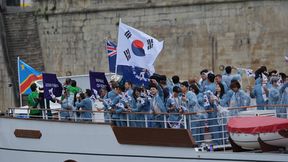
(173, 98)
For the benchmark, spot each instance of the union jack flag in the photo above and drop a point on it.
(112, 55)
(111, 48)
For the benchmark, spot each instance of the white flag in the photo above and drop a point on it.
(136, 48)
(249, 73)
(264, 78)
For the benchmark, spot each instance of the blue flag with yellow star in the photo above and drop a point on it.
(27, 76)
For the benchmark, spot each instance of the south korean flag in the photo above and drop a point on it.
(136, 48)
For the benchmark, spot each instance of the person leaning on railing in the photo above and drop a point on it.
(84, 103)
(189, 100)
(282, 112)
(260, 92)
(117, 108)
(274, 93)
(138, 103)
(235, 97)
(211, 107)
(66, 104)
(174, 107)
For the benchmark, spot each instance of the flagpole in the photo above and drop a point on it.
(20, 95)
(248, 79)
(116, 49)
(116, 62)
(116, 68)
(45, 112)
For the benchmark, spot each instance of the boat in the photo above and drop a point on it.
(266, 133)
(49, 139)
(26, 139)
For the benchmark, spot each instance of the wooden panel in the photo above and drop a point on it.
(24, 133)
(154, 136)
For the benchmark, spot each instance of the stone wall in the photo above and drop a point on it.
(23, 39)
(19, 37)
(197, 34)
(6, 89)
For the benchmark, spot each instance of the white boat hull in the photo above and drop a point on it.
(246, 141)
(82, 142)
(274, 139)
(250, 141)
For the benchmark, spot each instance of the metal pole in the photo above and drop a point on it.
(59, 116)
(223, 131)
(127, 117)
(45, 108)
(18, 63)
(75, 115)
(146, 122)
(165, 121)
(13, 112)
(185, 122)
(189, 121)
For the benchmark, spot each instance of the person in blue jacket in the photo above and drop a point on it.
(66, 105)
(200, 108)
(227, 77)
(157, 105)
(218, 80)
(107, 100)
(173, 105)
(128, 88)
(137, 103)
(118, 107)
(175, 82)
(260, 92)
(282, 112)
(235, 98)
(189, 100)
(274, 94)
(214, 126)
(84, 103)
(203, 81)
(210, 86)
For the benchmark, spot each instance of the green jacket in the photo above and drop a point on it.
(33, 102)
(73, 90)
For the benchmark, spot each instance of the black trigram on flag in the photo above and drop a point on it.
(128, 34)
(127, 54)
(150, 43)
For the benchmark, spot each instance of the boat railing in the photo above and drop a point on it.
(207, 127)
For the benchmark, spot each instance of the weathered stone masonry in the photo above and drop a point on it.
(198, 34)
